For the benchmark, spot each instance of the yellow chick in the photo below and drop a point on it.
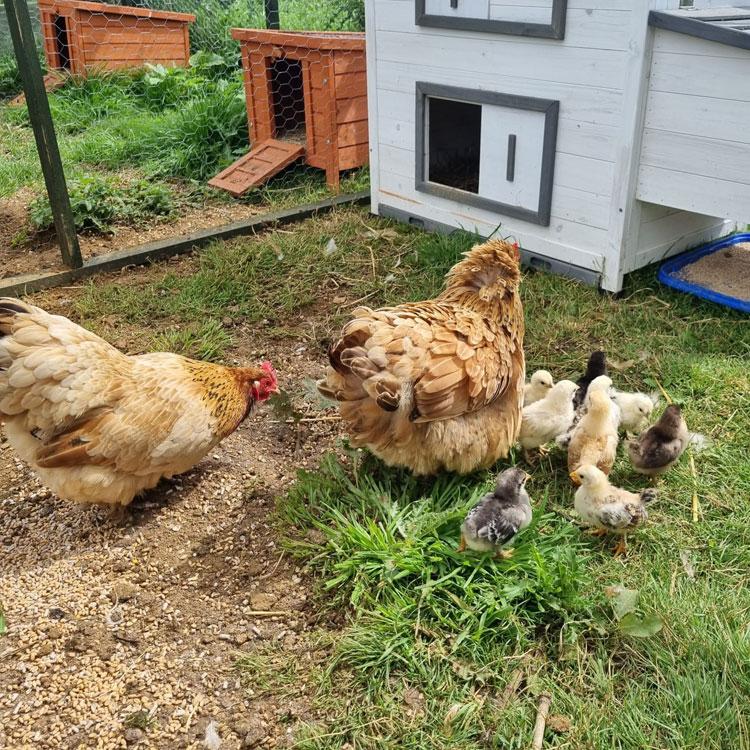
(547, 418)
(538, 387)
(594, 439)
(609, 509)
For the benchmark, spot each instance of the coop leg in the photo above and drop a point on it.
(333, 179)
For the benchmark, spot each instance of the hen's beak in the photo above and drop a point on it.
(575, 478)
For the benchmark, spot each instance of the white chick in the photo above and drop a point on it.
(609, 509)
(547, 418)
(538, 387)
(499, 515)
(635, 409)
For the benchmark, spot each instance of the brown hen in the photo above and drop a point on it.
(438, 384)
(98, 426)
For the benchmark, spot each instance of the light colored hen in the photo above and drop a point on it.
(437, 384)
(99, 426)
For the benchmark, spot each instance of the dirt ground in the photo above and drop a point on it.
(128, 635)
(24, 251)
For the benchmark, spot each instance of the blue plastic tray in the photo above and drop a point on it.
(668, 273)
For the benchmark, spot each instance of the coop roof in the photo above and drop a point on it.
(330, 40)
(55, 6)
(727, 25)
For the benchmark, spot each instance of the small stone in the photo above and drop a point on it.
(123, 591)
(262, 601)
(253, 738)
(44, 648)
(133, 735)
(56, 613)
(315, 536)
(54, 632)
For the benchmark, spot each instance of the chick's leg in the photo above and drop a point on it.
(461, 544)
(504, 554)
(597, 532)
(622, 547)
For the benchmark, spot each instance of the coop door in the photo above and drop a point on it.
(491, 150)
(61, 42)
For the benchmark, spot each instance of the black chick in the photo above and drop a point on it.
(499, 515)
(661, 445)
(596, 366)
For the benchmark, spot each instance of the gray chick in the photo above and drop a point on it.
(498, 516)
(661, 445)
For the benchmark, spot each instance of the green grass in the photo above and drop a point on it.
(431, 639)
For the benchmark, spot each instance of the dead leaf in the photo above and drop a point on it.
(559, 724)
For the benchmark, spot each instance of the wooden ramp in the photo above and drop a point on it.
(263, 162)
(53, 80)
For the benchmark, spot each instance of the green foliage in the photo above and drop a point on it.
(10, 77)
(390, 553)
(98, 203)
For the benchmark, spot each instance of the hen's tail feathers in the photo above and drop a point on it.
(9, 308)
(648, 495)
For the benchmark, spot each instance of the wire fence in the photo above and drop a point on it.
(179, 115)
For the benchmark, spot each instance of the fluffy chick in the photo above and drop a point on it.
(661, 445)
(601, 383)
(596, 366)
(635, 410)
(609, 509)
(498, 516)
(538, 387)
(594, 440)
(547, 418)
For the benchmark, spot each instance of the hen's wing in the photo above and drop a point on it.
(454, 361)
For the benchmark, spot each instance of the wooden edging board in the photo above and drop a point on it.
(141, 254)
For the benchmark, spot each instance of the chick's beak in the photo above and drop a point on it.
(575, 478)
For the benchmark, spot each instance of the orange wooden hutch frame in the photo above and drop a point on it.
(334, 82)
(109, 37)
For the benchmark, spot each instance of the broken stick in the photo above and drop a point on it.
(541, 719)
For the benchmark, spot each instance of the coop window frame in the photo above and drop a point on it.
(555, 29)
(549, 107)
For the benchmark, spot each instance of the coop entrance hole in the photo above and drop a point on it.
(454, 131)
(62, 45)
(288, 99)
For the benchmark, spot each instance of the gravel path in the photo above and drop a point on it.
(127, 636)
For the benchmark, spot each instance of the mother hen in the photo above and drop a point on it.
(438, 384)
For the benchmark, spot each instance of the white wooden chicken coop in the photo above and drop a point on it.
(603, 134)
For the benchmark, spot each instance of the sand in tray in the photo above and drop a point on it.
(726, 271)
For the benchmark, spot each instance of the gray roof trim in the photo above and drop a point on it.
(702, 29)
(555, 29)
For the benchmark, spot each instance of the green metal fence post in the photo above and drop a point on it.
(24, 45)
(271, 8)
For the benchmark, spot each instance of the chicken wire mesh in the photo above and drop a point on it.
(177, 115)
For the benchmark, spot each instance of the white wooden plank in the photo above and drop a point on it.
(689, 154)
(577, 102)
(651, 212)
(396, 128)
(522, 59)
(463, 9)
(587, 28)
(682, 44)
(564, 241)
(725, 119)
(371, 10)
(717, 77)
(685, 232)
(702, 195)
